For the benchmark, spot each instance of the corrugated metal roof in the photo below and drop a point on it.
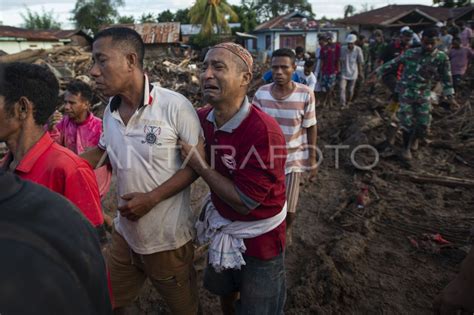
(156, 33)
(191, 29)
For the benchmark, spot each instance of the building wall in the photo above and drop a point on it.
(311, 42)
(13, 47)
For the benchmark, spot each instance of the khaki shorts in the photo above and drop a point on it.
(171, 272)
(292, 191)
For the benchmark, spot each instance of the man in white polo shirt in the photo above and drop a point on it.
(142, 125)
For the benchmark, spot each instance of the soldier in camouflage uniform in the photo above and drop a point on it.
(422, 68)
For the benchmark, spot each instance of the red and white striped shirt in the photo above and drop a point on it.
(294, 114)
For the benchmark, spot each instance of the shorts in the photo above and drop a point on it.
(292, 182)
(328, 81)
(171, 273)
(261, 283)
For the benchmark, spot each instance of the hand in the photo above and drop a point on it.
(455, 297)
(194, 156)
(312, 174)
(54, 119)
(137, 205)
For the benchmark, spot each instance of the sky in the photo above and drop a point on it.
(11, 10)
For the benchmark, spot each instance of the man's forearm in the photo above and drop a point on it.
(175, 184)
(312, 134)
(224, 188)
(93, 156)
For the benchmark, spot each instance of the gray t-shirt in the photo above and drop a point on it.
(349, 61)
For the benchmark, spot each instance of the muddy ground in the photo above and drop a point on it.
(379, 258)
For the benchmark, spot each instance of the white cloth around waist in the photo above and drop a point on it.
(226, 237)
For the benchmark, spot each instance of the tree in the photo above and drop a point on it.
(147, 18)
(269, 9)
(452, 3)
(126, 19)
(91, 14)
(166, 16)
(247, 17)
(43, 21)
(349, 10)
(210, 14)
(182, 16)
(366, 7)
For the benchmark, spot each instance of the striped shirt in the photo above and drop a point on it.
(294, 114)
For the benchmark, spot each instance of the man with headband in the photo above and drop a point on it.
(244, 217)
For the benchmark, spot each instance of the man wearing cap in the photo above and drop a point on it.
(421, 66)
(153, 231)
(244, 218)
(352, 61)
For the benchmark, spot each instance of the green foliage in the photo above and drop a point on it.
(92, 14)
(182, 16)
(37, 21)
(166, 16)
(366, 7)
(212, 14)
(349, 10)
(201, 41)
(269, 9)
(247, 17)
(148, 18)
(126, 19)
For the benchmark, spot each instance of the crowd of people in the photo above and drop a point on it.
(252, 154)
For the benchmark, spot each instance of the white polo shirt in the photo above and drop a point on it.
(144, 154)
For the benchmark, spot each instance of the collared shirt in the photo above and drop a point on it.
(57, 168)
(81, 137)
(144, 154)
(350, 60)
(294, 114)
(249, 149)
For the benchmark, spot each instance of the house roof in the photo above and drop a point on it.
(385, 15)
(290, 21)
(25, 34)
(39, 35)
(156, 33)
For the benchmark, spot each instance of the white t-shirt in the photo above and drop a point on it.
(349, 62)
(144, 154)
(309, 79)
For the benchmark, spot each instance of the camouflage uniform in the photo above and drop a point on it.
(420, 71)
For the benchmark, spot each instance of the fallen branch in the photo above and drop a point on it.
(438, 180)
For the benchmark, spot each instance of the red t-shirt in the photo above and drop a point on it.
(59, 169)
(330, 55)
(257, 170)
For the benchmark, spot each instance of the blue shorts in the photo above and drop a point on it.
(261, 283)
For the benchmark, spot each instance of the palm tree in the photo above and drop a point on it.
(210, 13)
(349, 10)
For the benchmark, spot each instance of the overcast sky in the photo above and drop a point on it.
(10, 10)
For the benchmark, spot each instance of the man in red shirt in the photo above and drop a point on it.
(28, 95)
(246, 176)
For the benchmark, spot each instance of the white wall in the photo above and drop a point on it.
(12, 47)
(311, 42)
